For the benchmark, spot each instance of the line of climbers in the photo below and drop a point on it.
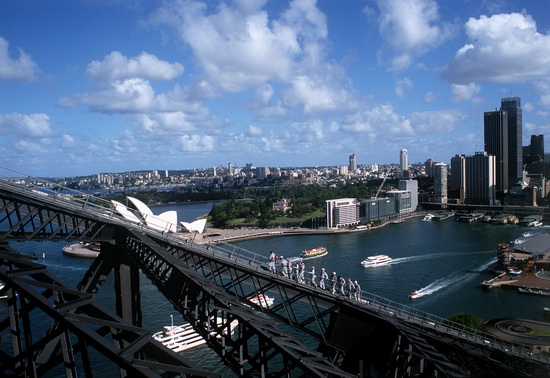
(296, 271)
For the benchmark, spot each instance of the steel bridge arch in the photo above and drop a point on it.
(201, 282)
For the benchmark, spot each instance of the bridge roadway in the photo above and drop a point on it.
(307, 331)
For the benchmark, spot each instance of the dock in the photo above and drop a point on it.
(538, 281)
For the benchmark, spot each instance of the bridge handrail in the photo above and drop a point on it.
(87, 202)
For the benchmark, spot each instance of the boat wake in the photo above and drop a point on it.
(428, 256)
(453, 278)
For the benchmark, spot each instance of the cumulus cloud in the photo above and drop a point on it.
(435, 122)
(239, 47)
(21, 69)
(254, 130)
(116, 66)
(402, 86)
(411, 28)
(26, 125)
(461, 93)
(505, 48)
(429, 97)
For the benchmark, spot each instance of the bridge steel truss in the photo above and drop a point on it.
(307, 332)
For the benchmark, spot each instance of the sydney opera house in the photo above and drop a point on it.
(164, 222)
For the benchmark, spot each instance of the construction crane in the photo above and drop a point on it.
(382, 185)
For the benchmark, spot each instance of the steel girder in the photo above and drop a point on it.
(79, 324)
(259, 347)
(25, 216)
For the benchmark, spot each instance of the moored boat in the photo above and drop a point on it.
(262, 300)
(428, 217)
(315, 252)
(183, 337)
(378, 260)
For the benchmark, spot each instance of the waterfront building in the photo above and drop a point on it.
(342, 212)
(404, 160)
(496, 144)
(480, 179)
(403, 202)
(412, 187)
(512, 106)
(458, 176)
(440, 183)
(352, 163)
(378, 209)
(536, 148)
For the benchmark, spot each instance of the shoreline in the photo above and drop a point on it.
(219, 235)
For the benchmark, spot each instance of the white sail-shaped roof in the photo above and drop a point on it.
(123, 210)
(197, 225)
(142, 208)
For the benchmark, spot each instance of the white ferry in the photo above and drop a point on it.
(428, 217)
(183, 337)
(378, 260)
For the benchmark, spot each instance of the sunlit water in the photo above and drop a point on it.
(443, 261)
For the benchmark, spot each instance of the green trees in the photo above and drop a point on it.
(466, 319)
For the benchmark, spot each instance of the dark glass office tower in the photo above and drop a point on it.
(536, 152)
(496, 143)
(512, 105)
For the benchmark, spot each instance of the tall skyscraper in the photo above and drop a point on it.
(536, 152)
(458, 176)
(496, 144)
(440, 182)
(404, 159)
(480, 179)
(512, 106)
(352, 163)
(411, 186)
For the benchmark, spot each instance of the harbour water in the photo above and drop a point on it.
(443, 261)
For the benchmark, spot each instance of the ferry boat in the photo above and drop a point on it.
(183, 337)
(378, 260)
(315, 252)
(530, 290)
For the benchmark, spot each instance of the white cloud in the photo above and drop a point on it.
(26, 125)
(461, 93)
(197, 143)
(505, 48)
(429, 97)
(402, 86)
(435, 122)
(254, 130)
(116, 67)
(22, 69)
(411, 28)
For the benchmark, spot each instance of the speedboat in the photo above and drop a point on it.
(378, 260)
(262, 300)
(413, 295)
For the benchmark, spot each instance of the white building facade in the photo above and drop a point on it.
(342, 212)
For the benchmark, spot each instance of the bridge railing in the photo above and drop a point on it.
(70, 198)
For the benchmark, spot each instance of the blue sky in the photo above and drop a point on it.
(114, 85)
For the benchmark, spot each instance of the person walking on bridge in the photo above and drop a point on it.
(302, 271)
(351, 289)
(342, 282)
(357, 291)
(284, 264)
(312, 276)
(324, 276)
(333, 281)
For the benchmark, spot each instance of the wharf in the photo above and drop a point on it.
(540, 280)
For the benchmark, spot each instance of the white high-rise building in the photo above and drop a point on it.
(404, 159)
(342, 212)
(440, 182)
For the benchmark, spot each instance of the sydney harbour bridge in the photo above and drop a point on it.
(307, 332)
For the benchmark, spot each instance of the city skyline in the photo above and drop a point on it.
(88, 87)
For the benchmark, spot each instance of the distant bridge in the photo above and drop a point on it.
(308, 332)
